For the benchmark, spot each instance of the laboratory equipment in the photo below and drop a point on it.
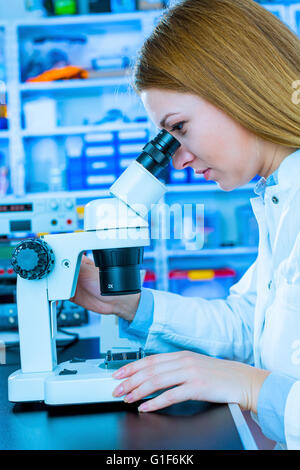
(33, 214)
(48, 270)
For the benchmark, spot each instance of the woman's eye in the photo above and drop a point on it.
(178, 127)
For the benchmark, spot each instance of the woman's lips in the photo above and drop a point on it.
(205, 173)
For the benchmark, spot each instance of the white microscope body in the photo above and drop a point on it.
(109, 223)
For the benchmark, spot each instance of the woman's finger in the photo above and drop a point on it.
(149, 361)
(86, 260)
(156, 383)
(144, 375)
(167, 398)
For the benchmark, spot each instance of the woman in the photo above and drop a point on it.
(220, 76)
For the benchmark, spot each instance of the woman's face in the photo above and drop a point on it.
(209, 138)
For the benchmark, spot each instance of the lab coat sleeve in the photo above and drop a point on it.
(221, 327)
(271, 405)
(139, 327)
(292, 418)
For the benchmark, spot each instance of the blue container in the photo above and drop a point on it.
(100, 159)
(130, 144)
(100, 147)
(75, 182)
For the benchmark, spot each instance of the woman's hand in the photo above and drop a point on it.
(88, 294)
(192, 376)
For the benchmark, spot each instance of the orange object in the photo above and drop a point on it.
(62, 73)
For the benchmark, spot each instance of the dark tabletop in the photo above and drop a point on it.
(109, 426)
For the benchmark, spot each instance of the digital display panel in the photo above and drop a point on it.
(20, 225)
(16, 208)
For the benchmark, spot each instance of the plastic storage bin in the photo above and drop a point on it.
(99, 159)
(206, 283)
(129, 145)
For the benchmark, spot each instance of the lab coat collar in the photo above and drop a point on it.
(286, 176)
(289, 169)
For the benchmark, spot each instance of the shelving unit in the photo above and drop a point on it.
(17, 139)
(138, 23)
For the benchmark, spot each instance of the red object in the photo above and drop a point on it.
(225, 272)
(2, 271)
(69, 221)
(150, 276)
(10, 271)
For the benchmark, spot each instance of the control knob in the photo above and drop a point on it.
(32, 259)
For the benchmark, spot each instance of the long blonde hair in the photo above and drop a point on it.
(233, 53)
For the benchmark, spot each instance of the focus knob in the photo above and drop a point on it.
(32, 259)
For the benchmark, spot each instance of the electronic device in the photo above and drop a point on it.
(115, 229)
(69, 314)
(32, 214)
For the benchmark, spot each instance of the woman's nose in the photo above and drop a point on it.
(182, 159)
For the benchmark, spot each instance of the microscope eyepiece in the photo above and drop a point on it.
(119, 268)
(157, 153)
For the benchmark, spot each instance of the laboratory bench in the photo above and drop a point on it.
(116, 425)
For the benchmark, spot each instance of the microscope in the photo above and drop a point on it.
(116, 230)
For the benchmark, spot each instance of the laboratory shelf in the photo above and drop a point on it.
(4, 134)
(75, 84)
(96, 193)
(86, 129)
(95, 19)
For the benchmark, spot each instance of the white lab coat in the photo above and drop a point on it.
(259, 322)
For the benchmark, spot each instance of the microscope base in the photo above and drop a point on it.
(70, 383)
